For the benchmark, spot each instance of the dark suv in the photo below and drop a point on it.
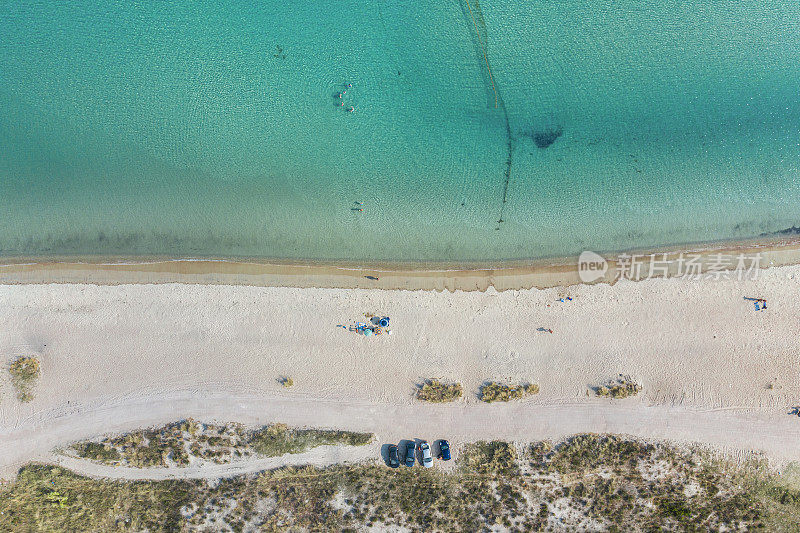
(411, 450)
(444, 450)
(394, 462)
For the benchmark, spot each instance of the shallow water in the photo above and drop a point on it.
(211, 128)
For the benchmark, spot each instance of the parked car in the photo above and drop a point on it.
(444, 450)
(394, 461)
(411, 450)
(427, 460)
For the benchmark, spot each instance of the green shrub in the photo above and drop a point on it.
(498, 392)
(674, 507)
(621, 388)
(435, 391)
(97, 452)
(50, 498)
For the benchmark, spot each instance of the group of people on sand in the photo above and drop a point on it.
(562, 299)
(340, 97)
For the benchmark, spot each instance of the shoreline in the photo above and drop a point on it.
(451, 276)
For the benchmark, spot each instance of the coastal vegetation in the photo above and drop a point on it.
(499, 392)
(587, 482)
(622, 387)
(182, 443)
(496, 457)
(436, 391)
(24, 375)
(278, 439)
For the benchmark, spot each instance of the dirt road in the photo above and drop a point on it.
(774, 433)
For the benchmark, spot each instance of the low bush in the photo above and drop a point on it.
(498, 392)
(97, 452)
(24, 374)
(435, 391)
(585, 452)
(620, 388)
(495, 457)
(278, 439)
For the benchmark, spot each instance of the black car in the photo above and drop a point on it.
(444, 450)
(394, 461)
(411, 450)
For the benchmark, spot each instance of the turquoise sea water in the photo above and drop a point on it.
(195, 128)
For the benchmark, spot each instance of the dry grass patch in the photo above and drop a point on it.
(606, 482)
(435, 391)
(499, 392)
(495, 457)
(620, 388)
(182, 443)
(278, 439)
(24, 375)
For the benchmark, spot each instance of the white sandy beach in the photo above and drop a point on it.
(695, 346)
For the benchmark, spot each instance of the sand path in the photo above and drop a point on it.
(775, 434)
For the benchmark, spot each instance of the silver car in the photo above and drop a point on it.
(427, 459)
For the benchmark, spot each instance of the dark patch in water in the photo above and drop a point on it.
(788, 231)
(546, 137)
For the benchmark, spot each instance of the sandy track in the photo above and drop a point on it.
(774, 433)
